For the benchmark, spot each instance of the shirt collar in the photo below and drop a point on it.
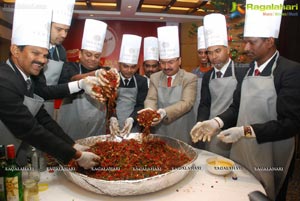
(263, 66)
(22, 73)
(123, 78)
(224, 68)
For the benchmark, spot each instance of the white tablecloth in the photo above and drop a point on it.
(198, 185)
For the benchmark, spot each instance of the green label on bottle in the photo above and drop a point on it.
(12, 188)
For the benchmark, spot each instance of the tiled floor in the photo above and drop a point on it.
(294, 184)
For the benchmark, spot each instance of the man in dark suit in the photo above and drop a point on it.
(132, 90)
(265, 109)
(24, 121)
(219, 83)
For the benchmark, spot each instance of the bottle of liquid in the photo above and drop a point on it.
(13, 176)
(2, 172)
(34, 172)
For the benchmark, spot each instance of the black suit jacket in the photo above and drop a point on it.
(142, 86)
(53, 91)
(205, 101)
(287, 85)
(40, 131)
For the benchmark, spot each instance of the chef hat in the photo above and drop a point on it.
(215, 30)
(257, 23)
(130, 49)
(201, 38)
(93, 35)
(25, 32)
(168, 41)
(62, 11)
(150, 48)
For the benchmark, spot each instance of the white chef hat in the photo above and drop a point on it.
(168, 41)
(93, 35)
(257, 23)
(150, 48)
(215, 30)
(62, 11)
(130, 49)
(25, 32)
(201, 38)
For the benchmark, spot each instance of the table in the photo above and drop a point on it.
(198, 184)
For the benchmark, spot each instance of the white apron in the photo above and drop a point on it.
(180, 128)
(258, 105)
(82, 116)
(52, 71)
(22, 148)
(198, 96)
(221, 91)
(125, 104)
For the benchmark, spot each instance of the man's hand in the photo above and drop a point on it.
(80, 147)
(100, 74)
(87, 85)
(231, 135)
(127, 127)
(204, 130)
(114, 126)
(162, 114)
(145, 109)
(87, 160)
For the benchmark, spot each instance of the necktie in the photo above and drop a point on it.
(219, 74)
(51, 51)
(126, 82)
(169, 81)
(256, 72)
(28, 83)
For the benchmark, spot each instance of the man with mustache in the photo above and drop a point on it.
(172, 91)
(219, 83)
(263, 120)
(24, 121)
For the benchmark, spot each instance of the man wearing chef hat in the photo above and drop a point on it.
(79, 115)
(266, 107)
(204, 65)
(220, 82)
(61, 20)
(132, 90)
(24, 121)
(150, 63)
(172, 91)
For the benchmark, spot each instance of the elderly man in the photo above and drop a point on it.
(172, 91)
(24, 121)
(265, 109)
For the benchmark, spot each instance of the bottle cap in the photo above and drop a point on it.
(10, 151)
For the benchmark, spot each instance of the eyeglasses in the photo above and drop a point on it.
(170, 62)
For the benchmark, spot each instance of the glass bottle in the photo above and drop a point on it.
(2, 172)
(13, 176)
(34, 172)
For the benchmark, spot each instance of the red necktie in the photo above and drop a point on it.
(256, 72)
(169, 81)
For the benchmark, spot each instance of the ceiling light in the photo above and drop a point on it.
(129, 6)
(188, 1)
(9, 1)
(91, 15)
(104, 4)
(179, 8)
(161, 18)
(152, 6)
(80, 4)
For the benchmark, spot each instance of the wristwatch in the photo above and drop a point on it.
(247, 131)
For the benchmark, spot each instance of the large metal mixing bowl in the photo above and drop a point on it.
(135, 187)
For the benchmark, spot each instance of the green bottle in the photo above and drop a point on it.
(13, 176)
(2, 172)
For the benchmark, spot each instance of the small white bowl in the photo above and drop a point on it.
(219, 165)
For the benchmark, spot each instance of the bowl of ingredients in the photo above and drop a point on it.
(219, 165)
